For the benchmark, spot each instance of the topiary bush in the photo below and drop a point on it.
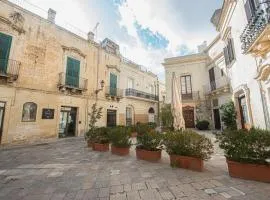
(188, 143)
(142, 128)
(202, 125)
(245, 146)
(149, 140)
(120, 137)
(100, 135)
(229, 115)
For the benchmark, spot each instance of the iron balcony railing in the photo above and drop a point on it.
(72, 82)
(216, 85)
(255, 26)
(140, 94)
(193, 96)
(9, 68)
(113, 92)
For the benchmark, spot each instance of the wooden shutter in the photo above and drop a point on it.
(73, 72)
(226, 55)
(231, 50)
(248, 10)
(5, 44)
(212, 78)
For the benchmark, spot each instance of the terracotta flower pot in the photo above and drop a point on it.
(256, 172)
(186, 162)
(120, 151)
(101, 147)
(134, 134)
(152, 156)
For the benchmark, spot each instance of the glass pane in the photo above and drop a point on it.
(63, 122)
(1, 117)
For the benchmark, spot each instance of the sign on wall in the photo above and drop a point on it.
(47, 113)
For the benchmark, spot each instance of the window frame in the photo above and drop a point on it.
(186, 88)
(36, 107)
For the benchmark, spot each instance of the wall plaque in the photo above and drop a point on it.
(47, 113)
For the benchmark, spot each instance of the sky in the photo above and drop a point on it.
(146, 30)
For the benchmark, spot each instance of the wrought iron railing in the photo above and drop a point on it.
(9, 68)
(72, 82)
(216, 84)
(193, 96)
(140, 94)
(255, 26)
(113, 92)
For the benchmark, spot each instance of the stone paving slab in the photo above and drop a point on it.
(68, 170)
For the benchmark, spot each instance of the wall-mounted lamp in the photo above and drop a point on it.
(102, 83)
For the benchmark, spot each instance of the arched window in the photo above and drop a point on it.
(29, 112)
(151, 111)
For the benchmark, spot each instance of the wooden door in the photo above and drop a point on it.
(188, 114)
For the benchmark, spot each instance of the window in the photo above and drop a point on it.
(250, 8)
(130, 83)
(128, 116)
(243, 110)
(29, 112)
(229, 52)
(113, 84)
(73, 72)
(5, 44)
(222, 72)
(186, 87)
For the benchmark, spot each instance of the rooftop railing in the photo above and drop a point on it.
(140, 94)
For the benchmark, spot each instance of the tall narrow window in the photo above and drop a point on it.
(186, 87)
(128, 116)
(5, 44)
(130, 83)
(29, 112)
(113, 84)
(229, 53)
(243, 111)
(73, 72)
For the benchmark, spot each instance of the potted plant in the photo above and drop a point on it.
(101, 139)
(132, 130)
(95, 115)
(202, 125)
(120, 140)
(187, 149)
(149, 146)
(247, 153)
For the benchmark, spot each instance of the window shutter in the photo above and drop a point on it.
(248, 10)
(231, 50)
(225, 51)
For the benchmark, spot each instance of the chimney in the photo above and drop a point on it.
(90, 36)
(51, 15)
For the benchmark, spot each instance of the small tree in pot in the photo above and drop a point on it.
(187, 149)
(247, 153)
(120, 139)
(149, 145)
(95, 115)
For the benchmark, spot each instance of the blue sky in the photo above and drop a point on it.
(146, 30)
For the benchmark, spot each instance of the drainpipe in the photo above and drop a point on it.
(158, 122)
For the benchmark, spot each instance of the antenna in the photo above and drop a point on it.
(95, 29)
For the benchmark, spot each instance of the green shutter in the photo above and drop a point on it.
(72, 72)
(113, 84)
(5, 44)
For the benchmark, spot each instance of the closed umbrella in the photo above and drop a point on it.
(179, 122)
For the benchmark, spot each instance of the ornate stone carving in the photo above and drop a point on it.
(15, 21)
(73, 49)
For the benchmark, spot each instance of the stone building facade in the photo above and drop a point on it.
(50, 78)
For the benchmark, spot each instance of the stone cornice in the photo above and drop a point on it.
(113, 67)
(73, 49)
(19, 29)
(185, 59)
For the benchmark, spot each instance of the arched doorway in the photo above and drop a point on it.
(151, 115)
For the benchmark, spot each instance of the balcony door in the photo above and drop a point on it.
(186, 87)
(5, 44)
(212, 79)
(113, 84)
(111, 118)
(73, 72)
(67, 125)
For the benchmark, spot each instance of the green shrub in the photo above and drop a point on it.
(152, 125)
(99, 135)
(188, 143)
(120, 137)
(229, 115)
(245, 146)
(142, 128)
(150, 141)
(202, 125)
(166, 117)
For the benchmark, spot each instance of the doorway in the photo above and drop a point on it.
(67, 126)
(217, 119)
(2, 114)
(188, 114)
(111, 118)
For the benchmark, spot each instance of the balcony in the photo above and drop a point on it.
(193, 96)
(218, 86)
(113, 92)
(255, 37)
(71, 83)
(139, 94)
(9, 69)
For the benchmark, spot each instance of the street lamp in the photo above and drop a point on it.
(102, 83)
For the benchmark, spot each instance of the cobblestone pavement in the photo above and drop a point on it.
(67, 169)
